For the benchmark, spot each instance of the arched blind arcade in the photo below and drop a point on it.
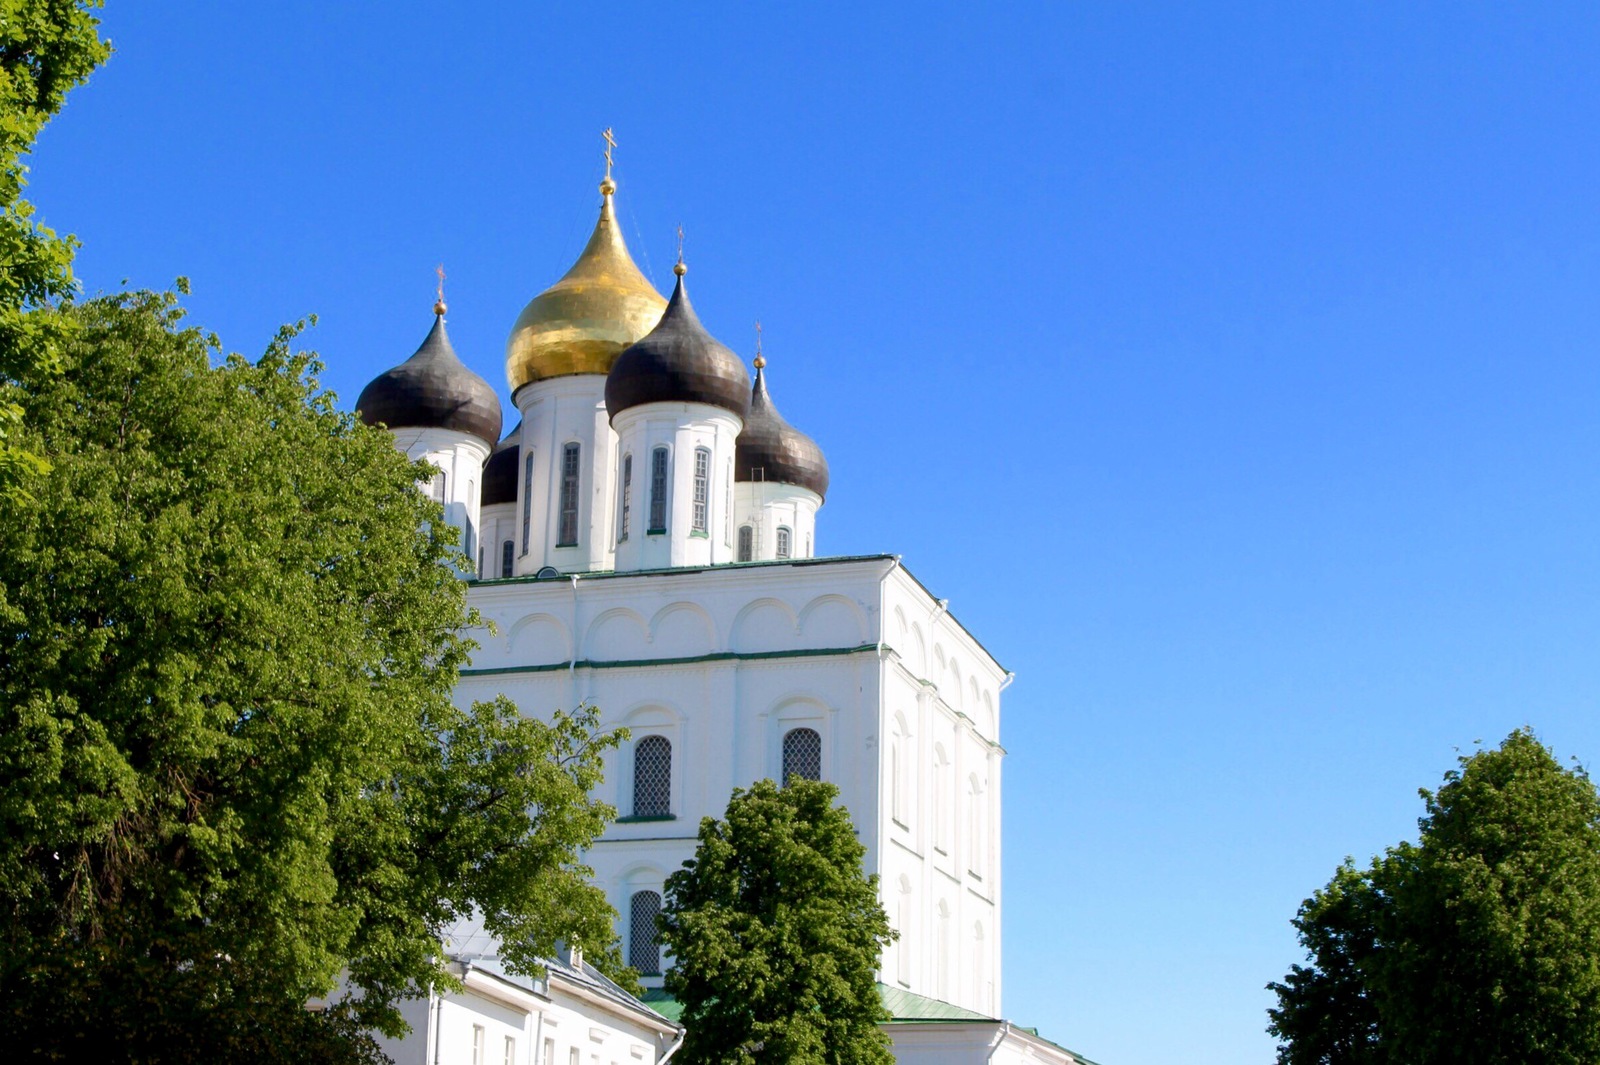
(644, 949)
(802, 754)
(652, 777)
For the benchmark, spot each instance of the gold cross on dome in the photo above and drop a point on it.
(440, 271)
(680, 242)
(611, 142)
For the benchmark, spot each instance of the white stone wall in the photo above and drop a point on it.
(722, 662)
(973, 1043)
(460, 458)
(680, 428)
(496, 1020)
(555, 413)
(766, 507)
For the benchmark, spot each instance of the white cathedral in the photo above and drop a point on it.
(646, 541)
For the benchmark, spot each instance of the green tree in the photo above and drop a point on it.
(230, 763)
(1478, 943)
(47, 47)
(776, 933)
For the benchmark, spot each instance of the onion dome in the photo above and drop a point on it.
(432, 390)
(582, 322)
(678, 362)
(500, 472)
(770, 449)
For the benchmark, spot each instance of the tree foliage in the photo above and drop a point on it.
(1478, 943)
(230, 763)
(776, 934)
(47, 47)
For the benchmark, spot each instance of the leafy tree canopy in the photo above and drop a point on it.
(1478, 943)
(47, 47)
(230, 764)
(776, 934)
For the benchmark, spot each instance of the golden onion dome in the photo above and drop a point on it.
(582, 322)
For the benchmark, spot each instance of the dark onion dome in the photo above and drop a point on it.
(500, 472)
(678, 362)
(432, 390)
(770, 449)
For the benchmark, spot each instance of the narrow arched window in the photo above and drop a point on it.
(508, 560)
(567, 534)
(808, 545)
(802, 754)
(702, 489)
(784, 538)
(644, 948)
(652, 777)
(527, 499)
(658, 490)
(436, 489)
(625, 507)
(747, 543)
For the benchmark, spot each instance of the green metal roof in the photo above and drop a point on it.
(905, 1007)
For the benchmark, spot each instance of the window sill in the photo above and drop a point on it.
(655, 532)
(696, 534)
(639, 819)
(572, 543)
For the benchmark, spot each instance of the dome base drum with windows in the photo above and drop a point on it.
(678, 508)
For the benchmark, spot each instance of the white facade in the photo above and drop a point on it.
(573, 1016)
(674, 481)
(569, 530)
(460, 458)
(781, 520)
(722, 663)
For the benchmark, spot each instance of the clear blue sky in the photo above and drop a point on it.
(1232, 368)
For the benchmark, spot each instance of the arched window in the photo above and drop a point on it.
(941, 975)
(802, 754)
(658, 490)
(527, 499)
(747, 543)
(977, 821)
(436, 489)
(567, 533)
(784, 537)
(900, 773)
(808, 545)
(644, 948)
(902, 924)
(652, 777)
(508, 558)
(941, 801)
(625, 507)
(702, 489)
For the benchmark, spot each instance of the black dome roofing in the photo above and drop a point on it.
(678, 362)
(432, 390)
(500, 472)
(770, 449)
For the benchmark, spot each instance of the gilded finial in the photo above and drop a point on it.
(761, 360)
(678, 267)
(607, 186)
(438, 305)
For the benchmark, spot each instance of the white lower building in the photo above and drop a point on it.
(573, 1016)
